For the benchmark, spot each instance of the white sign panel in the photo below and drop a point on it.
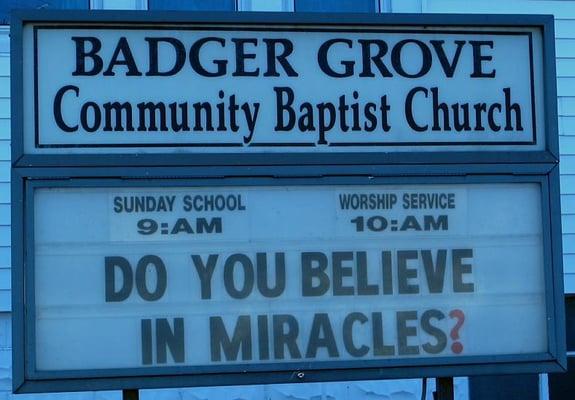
(235, 89)
(188, 276)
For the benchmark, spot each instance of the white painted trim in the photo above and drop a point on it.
(96, 4)
(141, 4)
(385, 6)
(247, 5)
(126, 4)
(543, 387)
(4, 40)
(289, 5)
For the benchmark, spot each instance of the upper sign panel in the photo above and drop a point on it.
(94, 88)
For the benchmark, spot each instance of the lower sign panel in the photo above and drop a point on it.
(275, 276)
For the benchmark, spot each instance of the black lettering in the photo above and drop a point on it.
(248, 276)
(280, 275)
(348, 342)
(448, 68)
(282, 107)
(146, 329)
(313, 265)
(459, 269)
(379, 347)
(242, 56)
(324, 65)
(404, 274)
(285, 338)
(96, 120)
(120, 111)
(92, 54)
(368, 59)
(409, 109)
(434, 272)
(170, 339)
(430, 329)
(479, 58)
(58, 108)
(179, 51)
(205, 273)
(340, 272)
(404, 332)
(195, 58)
(241, 339)
(123, 50)
(321, 335)
(110, 265)
(396, 60)
(281, 58)
(151, 109)
(161, 277)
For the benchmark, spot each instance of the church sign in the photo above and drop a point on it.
(259, 198)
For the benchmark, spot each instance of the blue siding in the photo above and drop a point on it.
(564, 12)
(568, 203)
(569, 263)
(196, 5)
(563, 9)
(567, 144)
(568, 222)
(368, 6)
(569, 243)
(568, 184)
(565, 48)
(4, 86)
(564, 28)
(566, 86)
(566, 105)
(5, 257)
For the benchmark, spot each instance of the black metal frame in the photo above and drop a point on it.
(32, 171)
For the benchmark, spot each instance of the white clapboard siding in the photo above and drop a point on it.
(4, 86)
(5, 257)
(568, 223)
(405, 6)
(564, 13)
(564, 28)
(569, 262)
(565, 67)
(568, 203)
(565, 33)
(568, 184)
(5, 214)
(569, 243)
(566, 85)
(567, 164)
(566, 106)
(566, 126)
(565, 48)
(567, 144)
(562, 9)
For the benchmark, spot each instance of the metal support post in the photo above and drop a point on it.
(443, 389)
(130, 394)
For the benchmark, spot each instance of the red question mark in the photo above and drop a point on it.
(457, 347)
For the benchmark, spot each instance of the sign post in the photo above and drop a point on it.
(246, 198)
(445, 388)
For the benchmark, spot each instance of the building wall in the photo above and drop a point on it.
(5, 259)
(564, 12)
